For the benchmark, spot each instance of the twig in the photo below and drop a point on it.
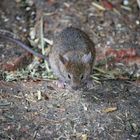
(138, 1)
(98, 6)
(42, 42)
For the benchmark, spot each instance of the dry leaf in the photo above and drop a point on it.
(84, 137)
(110, 109)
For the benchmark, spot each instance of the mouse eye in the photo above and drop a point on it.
(82, 76)
(69, 76)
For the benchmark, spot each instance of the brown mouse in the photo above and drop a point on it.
(72, 57)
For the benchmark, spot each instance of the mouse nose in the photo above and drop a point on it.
(75, 87)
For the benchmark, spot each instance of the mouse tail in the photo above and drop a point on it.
(11, 38)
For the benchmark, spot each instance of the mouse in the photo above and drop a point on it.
(72, 56)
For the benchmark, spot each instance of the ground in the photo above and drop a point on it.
(33, 107)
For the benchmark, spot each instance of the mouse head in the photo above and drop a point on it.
(76, 69)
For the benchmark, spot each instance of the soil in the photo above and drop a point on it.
(33, 107)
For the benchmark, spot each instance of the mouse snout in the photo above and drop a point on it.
(75, 87)
(78, 86)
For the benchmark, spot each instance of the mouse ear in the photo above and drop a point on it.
(87, 58)
(63, 59)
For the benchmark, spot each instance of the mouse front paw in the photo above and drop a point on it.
(89, 84)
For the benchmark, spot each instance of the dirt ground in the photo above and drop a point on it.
(32, 107)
